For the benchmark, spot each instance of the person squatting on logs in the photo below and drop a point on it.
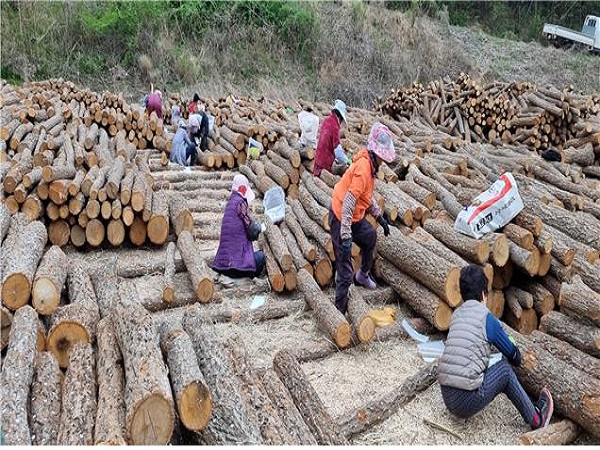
(184, 143)
(236, 257)
(329, 148)
(154, 102)
(468, 384)
(352, 199)
(196, 108)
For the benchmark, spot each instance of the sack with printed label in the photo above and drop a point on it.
(491, 209)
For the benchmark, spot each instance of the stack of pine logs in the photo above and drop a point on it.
(518, 113)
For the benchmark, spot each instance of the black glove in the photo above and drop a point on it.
(346, 248)
(381, 220)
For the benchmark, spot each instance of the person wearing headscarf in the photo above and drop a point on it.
(183, 149)
(352, 200)
(236, 257)
(329, 148)
(154, 102)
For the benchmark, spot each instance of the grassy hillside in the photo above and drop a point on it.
(317, 50)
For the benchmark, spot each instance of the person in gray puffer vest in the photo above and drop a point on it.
(467, 383)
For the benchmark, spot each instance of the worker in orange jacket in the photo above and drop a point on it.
(352, 200)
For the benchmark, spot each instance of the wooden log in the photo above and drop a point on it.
(580, 335)
(282, 401)
(58, 172)
(109, 425)
(526, 260)
(138, 231)
(589, 273)
(114, 178)
(499, 249)
(421, 299)
(520, 236)
(576, 298)
(168, 284)
(181, 217)
(158, 225)
(196, 266)
(563, 350)
(308, 250)
(441, 276)
(191, 393)
(49, 280)
(287, 152)
(278, 246)
(4, 221)
(276, 278)
(78, 406)
(273, 429)
(306, 399)
(6, 319)
(563, 432)
(575, 394)
(45, 402)
(149, 414)
(299, 261)
(232, 419)
(21, 259)
(17, 375)
(521, 297)
(358, 312)
(95, 232)
(543, 300)
(376, 411)
(473, 249)
(315, 211)
(327, 315)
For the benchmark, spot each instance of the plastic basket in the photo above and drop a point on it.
(274, 204)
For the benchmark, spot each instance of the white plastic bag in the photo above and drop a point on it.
(309, 126)
(274, 204)
(491, 209)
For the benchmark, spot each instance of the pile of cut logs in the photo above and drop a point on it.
(542, 268)
(518, 113)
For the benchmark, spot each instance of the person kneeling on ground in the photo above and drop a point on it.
(236, 257)
(184, 144)
(467, 383)
(352, 199)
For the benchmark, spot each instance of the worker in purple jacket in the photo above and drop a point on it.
(236, 257)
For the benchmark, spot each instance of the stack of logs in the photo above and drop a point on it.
(518, 113)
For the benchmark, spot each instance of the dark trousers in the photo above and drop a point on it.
(202, 133)
(363, 235)
(498, 378)
(191, 153)
(259, 260)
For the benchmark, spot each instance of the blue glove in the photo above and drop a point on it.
(381, 220)
(346, 248)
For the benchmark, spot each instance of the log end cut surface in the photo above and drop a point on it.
(62, 338)
(16, 291)
(452, 287)
(205, 290)
(195, 406)
(152, 422)
(46, 296)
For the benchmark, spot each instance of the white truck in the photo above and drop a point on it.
(589, 37)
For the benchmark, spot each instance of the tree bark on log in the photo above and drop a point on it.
(589, 273)
(308, 250)
(276, 278)
(17, 375)
(284, 405)
(433, 271)
(421, 299)
(278, 246)
(576, 395)
(376, 411)
(78, 406)
(358, 312)
(45, 402)
(196, 266)
(158, 225)
(306, 399)
(563, 432)
(109, 427)
(49, 280)
(328, 317)
(4, 221)
(577, 298)
(473, 249)
(181, 217)
(273, 429)
(543, 300)
(299, 261)
(315, 211)
(565, 351)
(21, 259)
(191, 393)
(6, 319)
(150, 413)
(168, 285)
(232, 421)
(580, 335)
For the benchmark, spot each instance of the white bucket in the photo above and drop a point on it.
(274, 204)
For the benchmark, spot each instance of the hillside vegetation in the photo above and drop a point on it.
(317, 50)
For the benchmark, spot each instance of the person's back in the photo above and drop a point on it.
(154, 103)
(179, 145)
(329, 147)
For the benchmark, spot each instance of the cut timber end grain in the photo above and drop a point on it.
(94, 232)
(49, 281)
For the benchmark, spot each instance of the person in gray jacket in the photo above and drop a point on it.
(468, 385)
(183, 148)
